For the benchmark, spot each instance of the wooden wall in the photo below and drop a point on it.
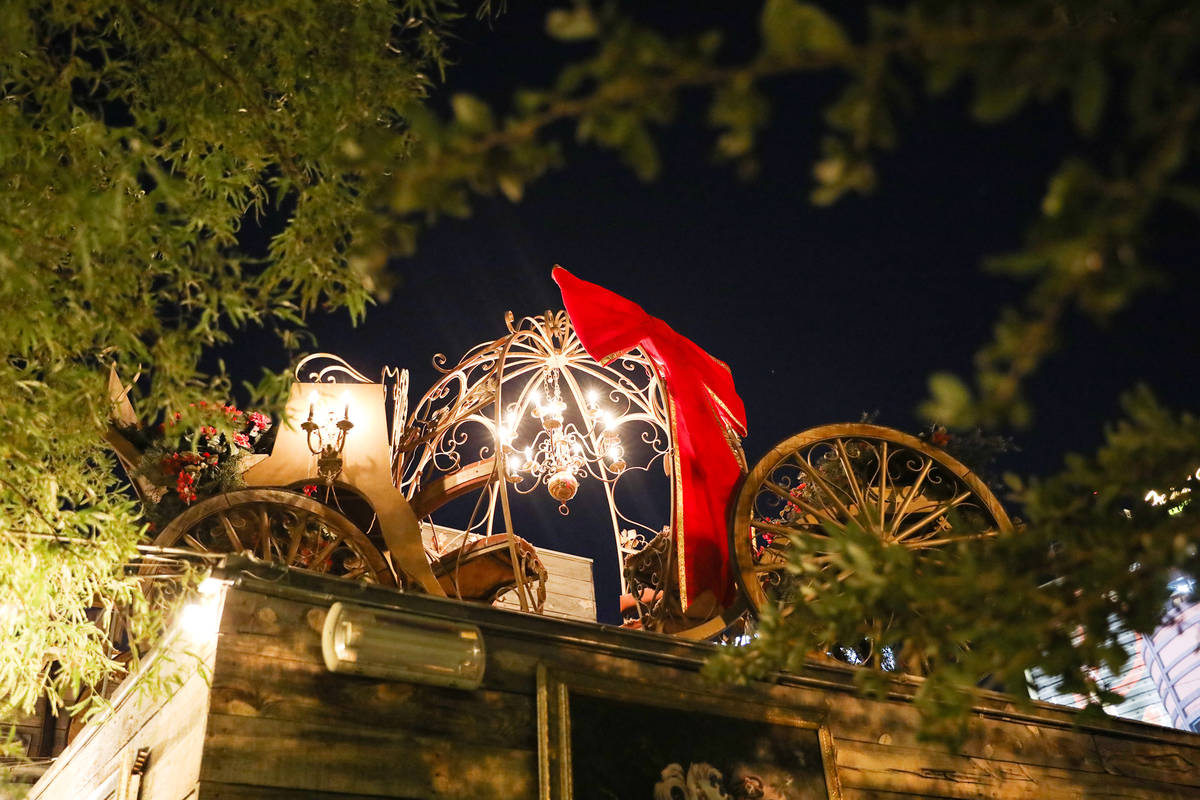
(97, 764)
(278, 725)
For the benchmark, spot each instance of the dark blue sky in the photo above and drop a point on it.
(822, 313)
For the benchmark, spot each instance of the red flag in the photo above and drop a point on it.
(706, 414)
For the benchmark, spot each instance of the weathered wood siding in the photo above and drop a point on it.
(96, 763)
(570, 591)
(278, 725)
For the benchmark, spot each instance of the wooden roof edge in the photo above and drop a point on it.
(250, 574)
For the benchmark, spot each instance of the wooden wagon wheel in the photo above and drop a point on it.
(895, 486)
(280, 526)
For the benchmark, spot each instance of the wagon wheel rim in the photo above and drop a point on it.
(280, 526)
(896, 486)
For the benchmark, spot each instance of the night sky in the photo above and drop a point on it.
(821, 313)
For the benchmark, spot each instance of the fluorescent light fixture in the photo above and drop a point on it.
(406, 647)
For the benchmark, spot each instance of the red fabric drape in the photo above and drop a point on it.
(704, 405)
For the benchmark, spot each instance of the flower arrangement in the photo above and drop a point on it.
(198, 453)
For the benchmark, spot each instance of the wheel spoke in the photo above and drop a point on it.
(195, 544)
(783, 530)
(263, 542)
(324, 553)
(898, 516)
(970, 537)
(932, 515)
(815, 476)
(883, 472)
(856, 493)
(231, 532)
(295, 538)
(821, 514)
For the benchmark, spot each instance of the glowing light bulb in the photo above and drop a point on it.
(210, 585)
(614, 453)
(593, 397)
(199, 620)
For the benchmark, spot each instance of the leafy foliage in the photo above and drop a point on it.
(1047, 594)
(140, 142)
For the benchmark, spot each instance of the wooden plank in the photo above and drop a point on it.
(556, 606)
(570, 587)
(562, 565)
(213, 790)
(273, 627)
(889, 724)
(306, 756)
(171, 724)
(931, 771)
(1051, 745)
(1150, 760)
(249, 685)
(849, 793)
(1002, 730)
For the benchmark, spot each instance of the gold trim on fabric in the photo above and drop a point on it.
(726, 428)
(733, 421)
(677, 521)
(608, 359)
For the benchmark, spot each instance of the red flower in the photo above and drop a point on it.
(310, 489)
(185, 486)
(241, 440)
(939, 437)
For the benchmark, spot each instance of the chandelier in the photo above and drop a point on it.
(561, 453)
(530, 413)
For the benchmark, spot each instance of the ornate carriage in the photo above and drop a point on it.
(350, 490)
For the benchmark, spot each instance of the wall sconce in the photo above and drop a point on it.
(399, 646)
(330, 438)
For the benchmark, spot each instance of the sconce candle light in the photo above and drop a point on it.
(327, 440)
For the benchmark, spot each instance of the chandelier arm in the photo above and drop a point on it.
(502, 485)
(626, 387)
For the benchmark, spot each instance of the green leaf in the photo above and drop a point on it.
(511, 186)
(572, 25)
(997, 101)
(790, 27)
(1089, 94)
(950, 402)
(1188, 196)
(472, 113)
